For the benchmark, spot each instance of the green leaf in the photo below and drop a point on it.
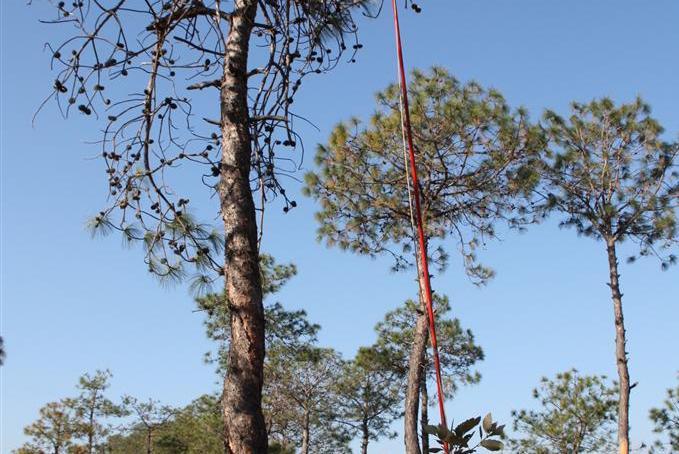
(487, 422)
(492, 445)
(500, 430)
(431, 430)
(467, 425)
(453, 439)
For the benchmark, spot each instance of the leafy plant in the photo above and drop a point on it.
(457, 439)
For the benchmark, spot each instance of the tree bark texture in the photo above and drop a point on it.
(424, 410)
(305, 433)
(620, 353)
(245, 429)
(415, 376)
(365, 438)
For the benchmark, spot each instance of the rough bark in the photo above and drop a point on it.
(620, 353)
(424, 411)
(245, 429)
(365, 437)
(415, 376)
(305, 433)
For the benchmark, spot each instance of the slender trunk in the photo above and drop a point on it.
(149, 442)
(245, 429)
(576, 446)
(415, 363)
(424, 416)
(305, 433)
(365, 438)
(90, 431)
(620, 353)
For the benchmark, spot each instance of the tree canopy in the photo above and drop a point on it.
(611, 175)
(475, 156)
(369, 395)
(458, 352)
(576, 415)
(290, 328)
(666, 422)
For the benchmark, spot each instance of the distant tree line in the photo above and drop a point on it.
(314, 400)
(317, 402)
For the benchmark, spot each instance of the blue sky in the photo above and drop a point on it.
(71, 304)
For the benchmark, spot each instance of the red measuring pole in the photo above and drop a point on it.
(424, 265)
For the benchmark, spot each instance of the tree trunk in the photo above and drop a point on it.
(365, 439)
(149, 442)
(620, 353)
(415, 363)
(424, 416)
(245, 429)
(90, 431)
(305, 433)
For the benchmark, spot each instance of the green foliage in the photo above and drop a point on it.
(54, 430)
(297, 374)
(300, 400)
(80, 424)
(133, 440)
(458, 437)
(150, 416)
(576, 416)
(290, 328)
(457, 350)
(194, 429)
(191, 243)
(198, 427)
(475, 157)
(611, 176)
(666, 422)
(28, 448)
(93, 409)
(278, 448)
(369, 395)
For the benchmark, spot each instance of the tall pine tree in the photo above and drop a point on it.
(612, 178)
(196, 94)
(475, 157)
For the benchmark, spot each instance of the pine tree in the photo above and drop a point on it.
(53, 432)
(93, 410)
(576, 415)
(193, 429)
(150, 416)
(458, 353)
(612, 178)
(369, 394)
(666, 422)
(292, 358)
(301, 395)
(284, 327)
(144, 69)
(475, 157)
